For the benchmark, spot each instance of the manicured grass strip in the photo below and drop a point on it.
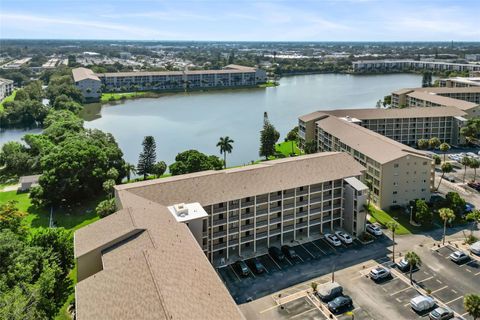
(383, 218)
(106, 97)
(286, 148)
(269, 83)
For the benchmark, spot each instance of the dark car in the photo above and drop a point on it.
(276, 253)
(340, 303)
(242, 268)
(257, 266)
(289, 252)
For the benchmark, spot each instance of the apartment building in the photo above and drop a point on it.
(466, 99)
(402, 65)
(230, 76)
(408, 125)
(398, 173)
(160, 247)
(460, 82)
(88, 82)
(6, 88)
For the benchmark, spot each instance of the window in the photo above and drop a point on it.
(279, 214)
(247, 233)
(220, 216)
(301, 199)
(220, 228)
(395, 165)
(247, 210)
(220, 205)
(220, 240)
(301, 209)
(247, 221)
(394, 201)
(279, 203)
(301, 188)
(279, 193)
(248, 199)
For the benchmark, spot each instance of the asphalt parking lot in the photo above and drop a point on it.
(315, 259)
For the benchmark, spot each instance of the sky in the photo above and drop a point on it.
(242, 20)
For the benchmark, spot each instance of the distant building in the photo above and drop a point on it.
(125, 55)
(231, 76)
(26, 182)
(6, 88)
(88, 82)
(472, 57)
(459, 82)
(366, 66)
(17, 64)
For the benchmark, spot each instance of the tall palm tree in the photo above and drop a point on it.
(471, 302)
(474, 164)
(225, 145)
(465, 162)
(444, 147)
(393, 225)
(446, 168)
(131, 169)
(413, 260)
(446, 214)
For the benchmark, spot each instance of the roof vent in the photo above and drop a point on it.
(181, 210)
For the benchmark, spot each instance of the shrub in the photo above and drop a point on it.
(106, 207)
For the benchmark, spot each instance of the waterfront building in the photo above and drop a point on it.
(160, 247)
(458, 82)
(403, 65)
(6, 88)
(87, 82)
(229, 77)
(399, 173)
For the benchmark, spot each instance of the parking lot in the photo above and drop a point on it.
(315, 258)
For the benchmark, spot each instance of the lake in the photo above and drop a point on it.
(197, 120)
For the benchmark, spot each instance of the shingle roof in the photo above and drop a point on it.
(371, 144)
(210, 187)
(392, 113)
(81, 73)
(444, 101)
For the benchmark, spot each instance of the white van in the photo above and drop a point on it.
(422, 303)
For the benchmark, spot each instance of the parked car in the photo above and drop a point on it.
(374, 229)
(340, 303)
(469, 207)
(475, 248)
(257, 266)
(449, 178)
(242, 268)
(422, 303)
(333, 240)
(276, 253)
(344, 237)
(379, 273)
(403, 265)
(289, 252)
(459, 256)
(441, 314)
(329, 291)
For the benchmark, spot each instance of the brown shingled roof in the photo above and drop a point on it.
(392, 113)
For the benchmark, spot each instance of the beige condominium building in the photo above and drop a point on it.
(466, 99)
(145, 260)
(230, 76)
(458, 82)
(6, 88)
(398, 173)
(401, 65)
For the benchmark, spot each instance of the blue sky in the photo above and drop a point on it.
(257, 20)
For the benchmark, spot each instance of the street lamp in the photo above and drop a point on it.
(411, 214)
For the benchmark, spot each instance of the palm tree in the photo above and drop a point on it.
(475, 217)
(413, 260)
(131, 169)
(471, 302)
(466, 162)
(434, 142)
(225, 145)
(446, 168)
(474, 164)
(393, 225)
(444, 147)
(446, 214)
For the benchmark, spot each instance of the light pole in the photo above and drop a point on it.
(411, 214)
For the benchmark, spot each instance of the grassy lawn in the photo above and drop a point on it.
(69, 218)
(7, 99)
(106, 97)
(286, 148)
(269, 83)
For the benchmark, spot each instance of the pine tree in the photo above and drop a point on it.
(268, 138)
(147, 157)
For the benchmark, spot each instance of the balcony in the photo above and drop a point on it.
(219, 234)
(219, 222)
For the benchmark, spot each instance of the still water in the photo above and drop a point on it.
(196, 120)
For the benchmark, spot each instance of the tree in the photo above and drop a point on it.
(471, 129)
(225, 145)
(422, 212)
(437, 160)
(59, 241)
(474, 164)
(471, 302)
(194, 161)
(314, 286)
(11, 217)
(112, 174)
(446, 215)
(413, 260)
(147, 157)
(393, 226)
(105, 208)
(130, 169)
(473, 216)
(108, 186)
(159, 168)
(379, 104)
(434, 143)
(15, 158)
(427, 79)
(444, 147)
(310, 147)
(422, 144)
(268, 138)
(446, 168)
(456, 203)
(292, 135)
(465, 162)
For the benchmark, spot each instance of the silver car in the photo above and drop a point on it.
(475, 248)
(441, 314)
(333, 240)
(379, 273)
(459, 256)
(374, 229)
(344, 237)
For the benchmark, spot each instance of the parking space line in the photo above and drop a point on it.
(318, 248)
(476, 274)
(444, 287)
(454, 291)
(468, 270)
(301, 313)
(280, 268)
(425, 279)
(438, 281)
(300, 258)
(289, 261)
(453, 300)
(233, 269)
(328, 243)
(308, 251)
(404, 289)
(406, 304)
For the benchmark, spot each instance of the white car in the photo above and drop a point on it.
(374, 229)
(344, 237)
(422, 303)
(475, 248)
(459, 256)
(380, 272)
(333, 240)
